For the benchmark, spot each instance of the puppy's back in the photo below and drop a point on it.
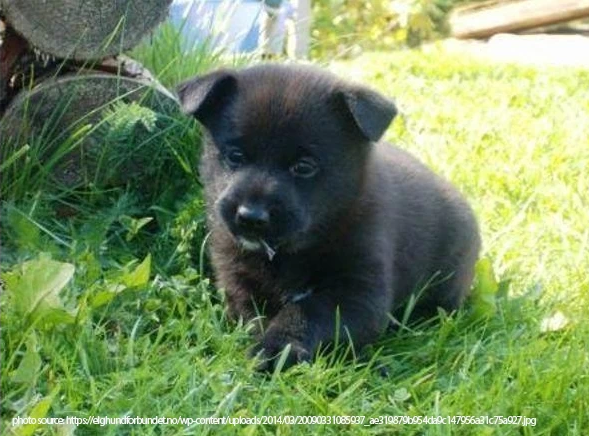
(432, 228)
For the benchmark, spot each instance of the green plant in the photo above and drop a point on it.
(348, 27)
(345, 26)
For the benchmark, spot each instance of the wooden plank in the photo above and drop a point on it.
(486, 19)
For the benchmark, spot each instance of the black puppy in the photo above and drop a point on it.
(312, 218)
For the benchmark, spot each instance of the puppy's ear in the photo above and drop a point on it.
(372, 112)
(203, 96)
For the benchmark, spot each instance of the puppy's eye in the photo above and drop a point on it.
(235, 157)
(306, 167)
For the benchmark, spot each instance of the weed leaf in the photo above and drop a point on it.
(35, 285)
(30, 363)
(485, 289)
(140, 275)
(133, 225)
(39, 411)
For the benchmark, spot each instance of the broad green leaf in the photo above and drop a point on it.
(23, 231)
(101, 298)
(35, 285)
(484, 293)
(109, 290)
(38, 411)
(30, 363)
(133, 225)
(140, 275)
(56, 316)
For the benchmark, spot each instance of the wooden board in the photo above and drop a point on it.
(84, 29)
(488, 18)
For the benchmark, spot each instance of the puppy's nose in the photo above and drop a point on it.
(252, 217)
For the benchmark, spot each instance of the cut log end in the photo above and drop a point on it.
(82, 29)
(93, 124)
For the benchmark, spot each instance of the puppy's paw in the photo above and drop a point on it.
(269, 352)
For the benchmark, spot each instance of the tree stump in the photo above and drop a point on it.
(83, 29)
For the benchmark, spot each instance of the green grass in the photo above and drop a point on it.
(138, 330)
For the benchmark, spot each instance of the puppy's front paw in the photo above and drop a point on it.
(270, 349)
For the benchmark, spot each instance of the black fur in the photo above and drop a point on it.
(292, 165)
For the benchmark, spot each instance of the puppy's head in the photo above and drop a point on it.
(286, 150)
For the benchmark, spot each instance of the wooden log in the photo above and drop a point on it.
(488, 18)
(12, 47)
(83, 29)
(81, 127)
(20, 66)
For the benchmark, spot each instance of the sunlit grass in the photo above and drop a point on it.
(150, 338)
